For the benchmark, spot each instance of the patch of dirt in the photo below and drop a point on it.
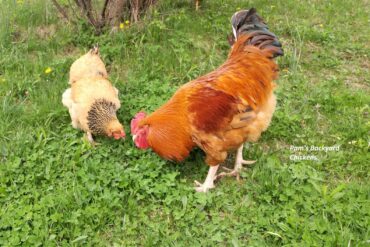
(72, 51)
(357, 74)
(46, 32)
(356, 85)
(18, 35)
(312, 47)
(366, 64)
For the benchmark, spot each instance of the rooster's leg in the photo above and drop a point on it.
(239, 162)
(208, 183)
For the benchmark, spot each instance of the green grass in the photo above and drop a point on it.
(56, 190)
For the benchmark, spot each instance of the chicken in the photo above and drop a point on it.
(222, 110)
(92, 101)
(88, 65)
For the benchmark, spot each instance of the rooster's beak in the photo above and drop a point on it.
(134, 137)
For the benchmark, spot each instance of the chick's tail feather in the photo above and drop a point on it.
(67, 98)
(95, 50)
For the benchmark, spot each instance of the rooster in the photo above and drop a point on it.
(92, 101)
(222, 110)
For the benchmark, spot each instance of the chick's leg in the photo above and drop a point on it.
(196, 4)
(239, 162)
(73, 113)
(90, 138)
(208, 183)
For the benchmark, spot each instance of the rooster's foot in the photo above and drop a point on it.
(208, 183)
(203, 187)
(230, 173)
(234, 172)
(239, 162)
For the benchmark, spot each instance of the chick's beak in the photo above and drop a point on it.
(120, 135)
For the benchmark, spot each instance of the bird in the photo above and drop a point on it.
(92, 100)
(220, 111)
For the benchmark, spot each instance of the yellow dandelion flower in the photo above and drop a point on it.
(127, 22)
(48, 70)
(121, 25)
(285, 70)
(321, 25)
(238, 8)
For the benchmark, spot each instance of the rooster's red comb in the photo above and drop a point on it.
(136, 120)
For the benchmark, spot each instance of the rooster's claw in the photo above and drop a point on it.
(202, 187)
